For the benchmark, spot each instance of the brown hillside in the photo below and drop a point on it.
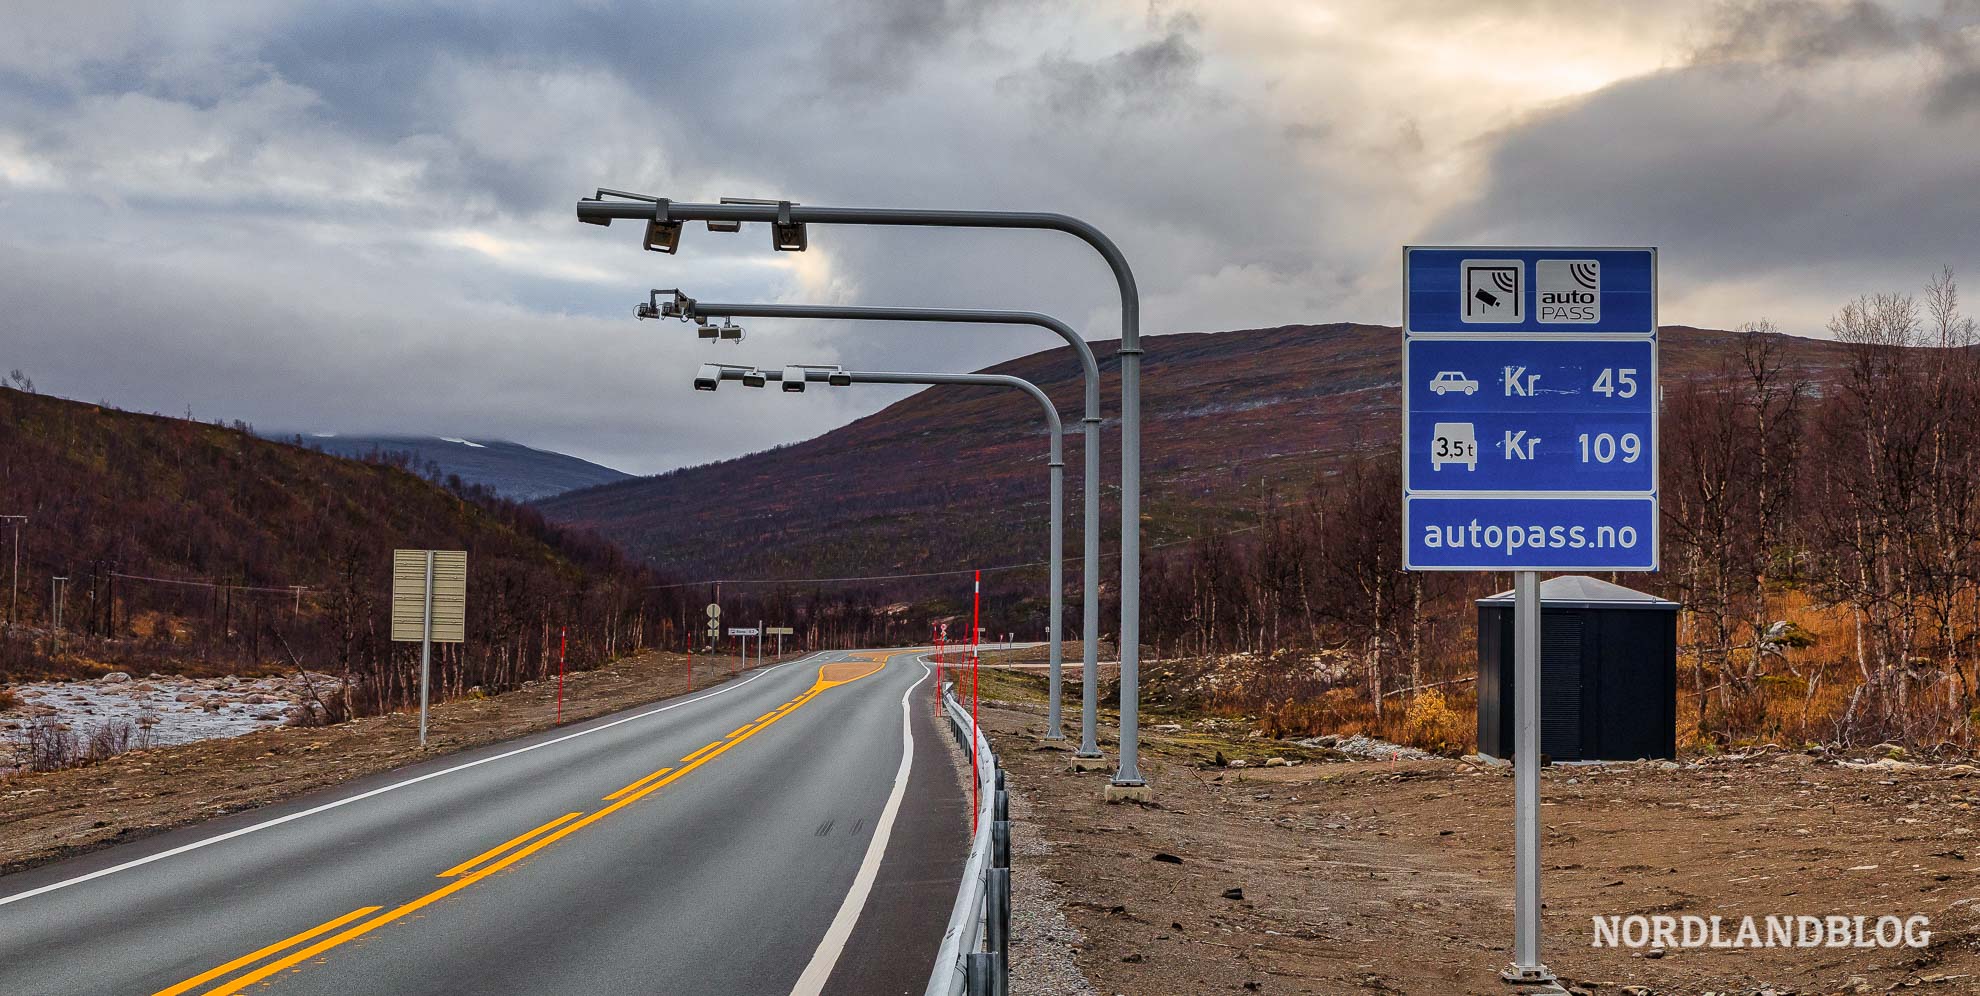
(180, 541)
(954, 477)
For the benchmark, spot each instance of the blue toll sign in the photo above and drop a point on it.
(1537, 414)
(1569, 292)
(1530, 409)
(1526, 534)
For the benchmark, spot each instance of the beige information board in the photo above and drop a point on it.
(449, 595)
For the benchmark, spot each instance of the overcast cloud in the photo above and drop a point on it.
(357, 217)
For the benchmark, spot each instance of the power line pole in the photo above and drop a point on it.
(14, 606)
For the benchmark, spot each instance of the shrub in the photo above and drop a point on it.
(1431, 724)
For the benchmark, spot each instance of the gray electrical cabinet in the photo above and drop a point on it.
(1608, 672)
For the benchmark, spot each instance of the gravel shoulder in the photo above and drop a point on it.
(1338, 874)
(52, 815)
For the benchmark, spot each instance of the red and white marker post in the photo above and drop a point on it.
(975, 629)
(563, 643)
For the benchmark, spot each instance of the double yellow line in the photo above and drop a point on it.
(496, 858)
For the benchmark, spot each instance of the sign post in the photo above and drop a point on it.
(429, 605)
(1529, 444)
(743, 633)
(780, 632)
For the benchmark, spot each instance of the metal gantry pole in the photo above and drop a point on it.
(598, 211)
(1526, 965)
(14, 600)
(1090, 422)
(425, 648)
(1055, 453)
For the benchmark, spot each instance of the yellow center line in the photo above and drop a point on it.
(690, 759)
(635, 786)
(739, 731)
(766, 715)
(505, 845)
(705, 755)
(254, 956)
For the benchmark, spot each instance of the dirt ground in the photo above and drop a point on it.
(1396, 877)
(52, 815)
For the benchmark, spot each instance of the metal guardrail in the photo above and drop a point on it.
(974, 958)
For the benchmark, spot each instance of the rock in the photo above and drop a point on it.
(1168, 859)
(1169, 728)
(1275, 762)
(1654, 953)
(256, 700)
(1234, 893)
(1135, 957)
(115, 678)
(185, 697)
(1240, 763)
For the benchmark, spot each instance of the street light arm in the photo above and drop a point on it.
(820, 374)
(980, 380)
(599, 211)
(1088, 364)
(603, 212)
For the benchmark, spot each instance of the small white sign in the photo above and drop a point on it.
(1453, 442)
(714, 611)
(743, 631)
(1568, 291)
(1494, 291)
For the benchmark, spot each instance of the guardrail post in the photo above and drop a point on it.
(977, 971)
(997, 926)
(1000, 805)
(1000, 844)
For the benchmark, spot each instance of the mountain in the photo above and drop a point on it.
(955, 477)
(512, 470)
(189, 546)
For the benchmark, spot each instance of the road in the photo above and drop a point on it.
(775, 834)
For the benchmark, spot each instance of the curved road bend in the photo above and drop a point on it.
(720, 844)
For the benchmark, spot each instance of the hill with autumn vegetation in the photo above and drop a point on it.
(955, 477)
(195, 547)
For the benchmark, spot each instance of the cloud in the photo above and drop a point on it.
(1808, 151)
(358, 217)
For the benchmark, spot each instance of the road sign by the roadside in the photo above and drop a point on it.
(1545, 415)
(714, 611)
(743, 631)
(1530, 409)
(409, 596)
(1474, 533)
(780, 631)
(1557, 291)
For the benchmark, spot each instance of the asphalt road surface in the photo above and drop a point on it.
(774, 834)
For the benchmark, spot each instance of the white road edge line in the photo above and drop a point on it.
(826, 958)
(278, 821)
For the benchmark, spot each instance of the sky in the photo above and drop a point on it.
(357, 217)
